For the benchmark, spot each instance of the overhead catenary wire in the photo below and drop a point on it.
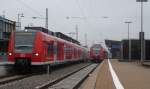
(86, 20)
(29, 7)
(81, 10)
(33, 11)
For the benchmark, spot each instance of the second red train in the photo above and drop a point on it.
(97, 53)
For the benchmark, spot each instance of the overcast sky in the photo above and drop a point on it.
(92, 15)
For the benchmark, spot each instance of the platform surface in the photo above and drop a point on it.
(131, 75)
(100, 78)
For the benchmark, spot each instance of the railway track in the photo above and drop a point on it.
(6, 72)
(7, 75)
(71, 80)
(9, 79)
(41, 79)
(14, 76)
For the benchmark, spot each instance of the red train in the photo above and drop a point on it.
(27, 48)
(97, 53)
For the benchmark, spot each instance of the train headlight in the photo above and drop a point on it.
(9, 54)
(36, 54)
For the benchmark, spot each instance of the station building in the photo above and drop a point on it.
(135, 49)
(114, 48)
(6, 27)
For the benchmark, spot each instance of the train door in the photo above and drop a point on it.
(75, 53)
(80, 53)
(66, 51)
(60, 51)
(50, 51)
(55, 51)
(71, 52)
(44, 53)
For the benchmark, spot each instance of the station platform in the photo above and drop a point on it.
(146, 63)
(112, 74)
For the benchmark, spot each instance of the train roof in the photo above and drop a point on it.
(57, 34)
(40, 29)
(53, 37)
(62, 40)
(65, 37)
(96, 46)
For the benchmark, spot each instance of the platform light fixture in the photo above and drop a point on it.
(20, 15)
(129, 45)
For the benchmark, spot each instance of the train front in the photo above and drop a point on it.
(95, 54)
(20, 48)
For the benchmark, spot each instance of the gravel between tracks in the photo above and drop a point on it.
(32, 82)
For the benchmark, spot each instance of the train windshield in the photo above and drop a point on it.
(96, 51)
(24, 41)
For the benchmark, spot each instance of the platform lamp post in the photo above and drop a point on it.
(20, 15)
(129, 22)
(85, 37)
(76, 27)
(142, 32)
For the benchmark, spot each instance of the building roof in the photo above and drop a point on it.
(7, 20)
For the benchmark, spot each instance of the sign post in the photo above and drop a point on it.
(142, 33)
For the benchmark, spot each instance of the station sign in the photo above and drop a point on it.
(117, 46)
(141, 0)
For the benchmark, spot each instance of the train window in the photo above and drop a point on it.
(24, 41)
(68, 50)
(65, 48)
(96, 51)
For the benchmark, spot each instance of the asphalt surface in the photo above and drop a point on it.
(132, 74)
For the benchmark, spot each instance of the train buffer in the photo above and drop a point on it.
(112, 74)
